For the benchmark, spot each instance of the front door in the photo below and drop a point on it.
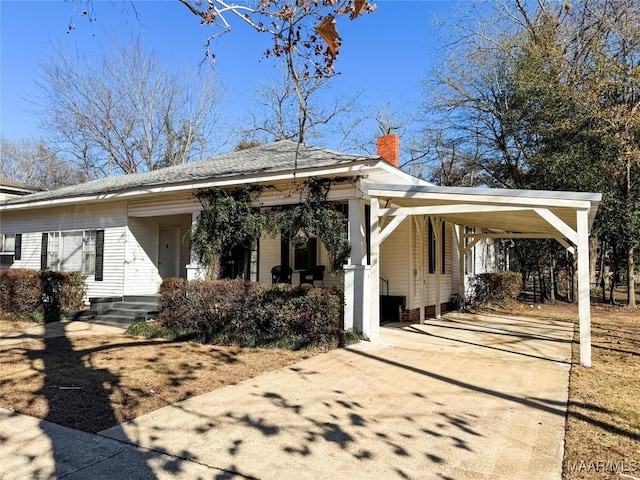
(169, 251)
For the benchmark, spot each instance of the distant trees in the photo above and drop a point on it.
(33, 163)
(125, 112)
(545, 95)
(303, 33)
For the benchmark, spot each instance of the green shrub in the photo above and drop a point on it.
(252, 314)
(40, 294)
(143, 329)
(498, 288)
(350, 337)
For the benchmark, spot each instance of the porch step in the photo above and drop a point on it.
(119, 311)
(141, 298)
(113, 320)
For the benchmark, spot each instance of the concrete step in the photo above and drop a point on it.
(141, 298)
(120, 311)
(147, 306)
(81, 315)
(127, 312)
(113, 320)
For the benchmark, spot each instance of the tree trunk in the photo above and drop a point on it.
(593, 260)
(552, 283)
(631, 280)
(612, 286)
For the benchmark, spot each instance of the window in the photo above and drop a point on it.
(7, 244)
(72, 251)
(10, 249)
(432, 247)
(470, 256)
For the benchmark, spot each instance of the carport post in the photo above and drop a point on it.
(437, 231)
(460, 230)
(373, 330)
(584, 301)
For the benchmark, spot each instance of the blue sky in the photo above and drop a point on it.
(385, 54)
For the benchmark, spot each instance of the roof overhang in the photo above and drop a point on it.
(364, 168)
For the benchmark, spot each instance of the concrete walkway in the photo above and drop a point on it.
(466, 397)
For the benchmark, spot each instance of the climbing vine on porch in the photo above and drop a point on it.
(233, 217)
(316, 217)
(228, 218)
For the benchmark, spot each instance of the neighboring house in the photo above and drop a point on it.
(10, 189)
(408, 236)
(486, 256)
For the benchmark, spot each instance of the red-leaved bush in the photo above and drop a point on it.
(252, 314)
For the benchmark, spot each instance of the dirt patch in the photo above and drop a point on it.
(93, 383)
(602, 439)
(10, 323)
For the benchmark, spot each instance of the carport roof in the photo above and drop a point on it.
(494, 210)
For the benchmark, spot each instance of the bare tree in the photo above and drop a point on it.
(127, 112)
(303, 33)
(276, 113)
(34, 164)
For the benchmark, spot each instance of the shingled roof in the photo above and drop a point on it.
(270, 158)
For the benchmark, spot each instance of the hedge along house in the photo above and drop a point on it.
(408, 237)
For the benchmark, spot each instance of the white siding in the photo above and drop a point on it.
(332, 278)
(141, 271)
(113, 279)
(111, 217)
(79, 217)
(395, 262)
(446, 279)
(268, 257)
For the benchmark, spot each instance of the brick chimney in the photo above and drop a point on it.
(389, 149)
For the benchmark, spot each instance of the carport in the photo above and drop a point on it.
(493, 213)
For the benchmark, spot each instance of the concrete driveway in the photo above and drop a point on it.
(466, 397)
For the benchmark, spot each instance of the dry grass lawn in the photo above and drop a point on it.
(92, 383)
(602, 439)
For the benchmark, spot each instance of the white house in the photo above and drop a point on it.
(408, 237)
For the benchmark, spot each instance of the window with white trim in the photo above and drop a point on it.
(470, 256)
(7, 244)
(73, 251)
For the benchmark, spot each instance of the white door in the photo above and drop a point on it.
(169, 251)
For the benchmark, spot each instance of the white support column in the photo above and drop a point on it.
(356, 274)
(437, 231)
(195, 270)
(357, 235)
(461, 253)
(420, 225)
(372, 330)
(584, 301)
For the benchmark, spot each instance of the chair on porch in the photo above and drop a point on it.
(314, 274)
(281, 274)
